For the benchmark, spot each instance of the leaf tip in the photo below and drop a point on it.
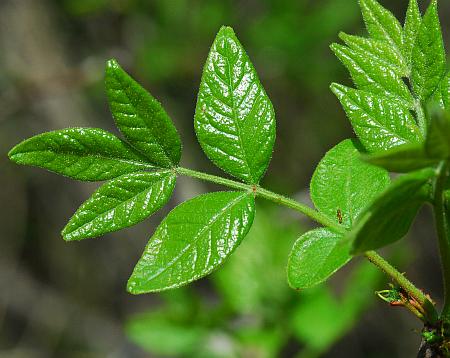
(340, 51)
(333, 46)
(66, 234)
(17, 150)
(69, 233)
(112, 64)
(133, 286)
(342, 35)
(12, 153)
(226, 31)
(432, 9)
(290, 277)
(338, 89)
(69, 236)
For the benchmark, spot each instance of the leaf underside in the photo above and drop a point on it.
(389, 218)
(402, 159)
(437, 144)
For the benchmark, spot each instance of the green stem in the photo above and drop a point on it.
(429, 310)
(391, 271)
(372, 256)
(440, 217)
(213, 179)
(302, 208)
(266, 194)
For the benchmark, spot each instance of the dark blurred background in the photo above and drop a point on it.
(69, 300)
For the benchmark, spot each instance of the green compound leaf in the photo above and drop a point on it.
(89, 154)
(315, 256)
(389, 218)
(120, 203)
(379, 123)
(382, 24)
(372, 76)
(379, 52)
(428, 59)
(234, 118)
(195, 238)
(411, 29)
(343, 185)
(402, 159)
(141, 118)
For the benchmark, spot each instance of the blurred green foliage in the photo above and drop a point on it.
(254, 313)
(281, 31)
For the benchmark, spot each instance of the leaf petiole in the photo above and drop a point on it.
(266, 194)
